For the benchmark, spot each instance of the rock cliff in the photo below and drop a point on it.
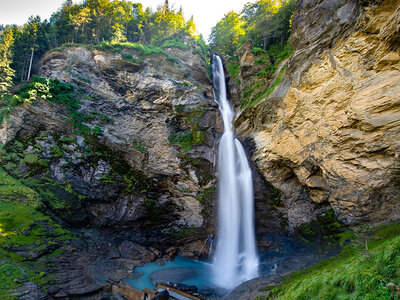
(328, 135)
(146, 158)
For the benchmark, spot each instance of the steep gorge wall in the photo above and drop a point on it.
(329, 135)
(148, 161)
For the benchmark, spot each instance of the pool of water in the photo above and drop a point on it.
(288, 254)
(181, 270)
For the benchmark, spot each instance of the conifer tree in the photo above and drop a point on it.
(6, 73)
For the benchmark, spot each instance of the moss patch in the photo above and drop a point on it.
(193, 134)
(325, 225)
(25, 235)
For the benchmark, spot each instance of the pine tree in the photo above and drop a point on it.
(6, 73)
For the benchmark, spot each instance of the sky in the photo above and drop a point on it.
(206, 13)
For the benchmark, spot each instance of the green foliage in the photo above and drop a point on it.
(325, 225)
(233, 69)
(25, 232)
(118, 21)
(141, 49)
(184, 139)
(172, 60)
(350, 275)
(278, 52)
(268, 22)
(67, 140)
(32, 186)
(90, 22)
(96, 116)
(138, 146)
(120, 171)
(129, 57)
(195, 135)
(276, 195)
(206, 196)
(11, 277)
(277, 81)
(52, 90)
(203, 50)
(30, 41)
(181, 233)
(12, 189)
(226, 34)
(6, 72)
(97, 130)
(255, 94)
(174, 43)
(21, 225)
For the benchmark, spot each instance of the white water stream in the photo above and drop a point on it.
(236, 258)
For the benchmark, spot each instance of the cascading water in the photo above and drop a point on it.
(236, 258)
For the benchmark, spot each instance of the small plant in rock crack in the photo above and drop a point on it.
(364, 235)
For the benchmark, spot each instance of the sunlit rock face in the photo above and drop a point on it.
(146, 107)
(329, 134)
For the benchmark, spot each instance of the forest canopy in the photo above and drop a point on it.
(91, 22)
(264, 22)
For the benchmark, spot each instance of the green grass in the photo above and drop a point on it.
(172, 60)
(277, 81)
(203, 50)
(254, 95)
(22, 225)
(25, 234)
(141, 49)
(11, 189)
(50, 89)
(350, 275)
(11, 278)
(173, 43)
(192, 136)
(22, 228)
(233, 69)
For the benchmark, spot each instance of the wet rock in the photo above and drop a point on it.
(30, 291)
(89, 289)
(164, 295)
(253, 288)
(135, 251)
(171, 253)
(114, 253)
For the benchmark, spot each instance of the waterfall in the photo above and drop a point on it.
(236, 258)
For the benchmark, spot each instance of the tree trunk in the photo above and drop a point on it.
(265, 42)
(30, 65)
(22, 72)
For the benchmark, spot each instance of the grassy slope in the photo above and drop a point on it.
(351, 274)
(25, 234)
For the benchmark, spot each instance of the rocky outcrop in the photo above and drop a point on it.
(328, 135)
(148, 153)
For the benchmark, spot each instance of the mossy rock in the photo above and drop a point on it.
(325, 225)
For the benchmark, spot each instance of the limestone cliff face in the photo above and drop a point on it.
(329, 134)
(154, 120)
